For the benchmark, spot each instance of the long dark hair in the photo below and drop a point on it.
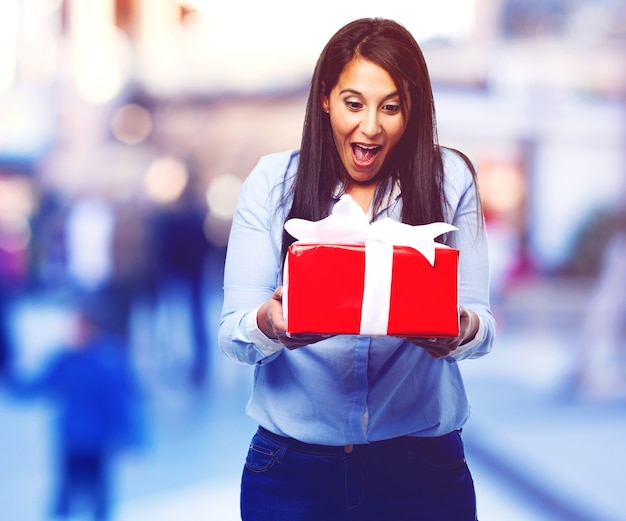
(416, 161)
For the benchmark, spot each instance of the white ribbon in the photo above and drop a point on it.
(377, 290)
(348, 224)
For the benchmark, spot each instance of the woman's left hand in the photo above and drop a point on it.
(441, 347)
(271, 322)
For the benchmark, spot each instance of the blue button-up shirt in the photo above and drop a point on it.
(348, 389)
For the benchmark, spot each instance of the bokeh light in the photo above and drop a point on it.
(222, 195)
(166, 179)
(17, 196)
(8, 42)
(15, 232)
(99, 50)
(503, 188)
(131, 124)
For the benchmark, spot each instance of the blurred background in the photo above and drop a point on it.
(126, 129)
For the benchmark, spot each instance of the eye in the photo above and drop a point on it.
(391, 108)
(353, 105)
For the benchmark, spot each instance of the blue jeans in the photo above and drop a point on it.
(416, 479)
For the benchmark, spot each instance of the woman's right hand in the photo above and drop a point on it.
(271, 322)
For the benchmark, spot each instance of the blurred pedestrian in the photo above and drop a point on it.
(94, 394)
(184, 254)
(134, 282)
(600, 367)
(13, 282)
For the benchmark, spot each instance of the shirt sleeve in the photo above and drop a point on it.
(253, 264)
(267, 345)
(471, 241)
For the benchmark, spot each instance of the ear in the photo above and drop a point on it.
(324, 101)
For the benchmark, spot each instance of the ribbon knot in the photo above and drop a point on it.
(347, 223)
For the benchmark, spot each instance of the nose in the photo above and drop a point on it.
(370, 123)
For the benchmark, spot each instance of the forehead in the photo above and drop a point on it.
(366, 77)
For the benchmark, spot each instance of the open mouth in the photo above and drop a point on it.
(365, 155)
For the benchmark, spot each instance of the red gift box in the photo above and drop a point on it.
(328, 291)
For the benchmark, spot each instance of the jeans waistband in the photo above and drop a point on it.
(330, 450)
(300, 446)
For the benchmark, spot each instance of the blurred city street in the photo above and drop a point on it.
(128, 129)
(537, 451)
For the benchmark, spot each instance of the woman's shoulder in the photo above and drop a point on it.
(459, 170)
(272, 170)
(457, 161)
(277, 164)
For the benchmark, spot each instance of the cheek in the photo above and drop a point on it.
(340, 131)
(397, 132)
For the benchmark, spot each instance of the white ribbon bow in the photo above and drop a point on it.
(348, 224)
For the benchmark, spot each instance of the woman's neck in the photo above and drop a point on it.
(362, 194)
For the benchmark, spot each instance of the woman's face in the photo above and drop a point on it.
(366, 118)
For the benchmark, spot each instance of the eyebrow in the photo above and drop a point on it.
(358, 93)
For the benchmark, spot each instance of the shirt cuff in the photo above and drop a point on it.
(265, 344)
(478, 338)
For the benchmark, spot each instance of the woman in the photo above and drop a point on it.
(355, 427)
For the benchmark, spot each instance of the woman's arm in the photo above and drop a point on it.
(471, 241)
(253, 264)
